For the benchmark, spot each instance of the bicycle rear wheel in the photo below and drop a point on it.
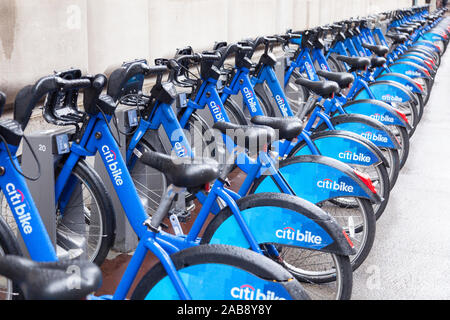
(325, 275)
(239, 274)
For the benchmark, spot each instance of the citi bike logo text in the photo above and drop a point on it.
(296, 235)
(335, 186)
(112, 165)
(180, 150)
(282, 105)
(379, 117)
(19, 206)
(374, 137)
(348, 155)
(217, 112)
(388, 97)
(309, 69)
(250, 98)
(247, 292)
(412, 73)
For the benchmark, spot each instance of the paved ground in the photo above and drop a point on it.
(411, 254)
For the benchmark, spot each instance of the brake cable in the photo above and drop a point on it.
(14, 165)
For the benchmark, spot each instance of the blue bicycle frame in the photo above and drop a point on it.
(24, 210)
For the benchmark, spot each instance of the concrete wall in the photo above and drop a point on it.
(38, 37)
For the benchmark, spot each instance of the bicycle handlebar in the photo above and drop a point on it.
(27, 98)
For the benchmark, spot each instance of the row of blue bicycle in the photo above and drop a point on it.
(318, 138)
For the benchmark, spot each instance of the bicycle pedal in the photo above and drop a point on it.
(182, 215)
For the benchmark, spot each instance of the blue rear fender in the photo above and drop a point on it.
(432, 36)
(417, 61)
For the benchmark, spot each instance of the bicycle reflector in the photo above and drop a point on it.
(366, 179)
(402, 115)
(419, 85)
(348, 239)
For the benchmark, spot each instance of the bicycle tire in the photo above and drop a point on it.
(334, 64)
(234, 113)
(88, 177)
(403, 138)
(296, 95)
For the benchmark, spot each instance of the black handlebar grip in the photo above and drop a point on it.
(92, 94)
(209, 57)
(157, 69)
(99, 82)
(245, 49)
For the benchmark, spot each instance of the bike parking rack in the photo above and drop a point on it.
(49, 146)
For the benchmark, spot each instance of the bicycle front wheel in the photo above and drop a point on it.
(8, 246)
(85, 216)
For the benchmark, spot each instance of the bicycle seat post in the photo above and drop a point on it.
(154, 222)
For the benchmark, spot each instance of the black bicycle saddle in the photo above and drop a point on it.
(343, 79)
(325, 89)
(62, 280)
(377, 62)
(397, 38)
(380, 51)
(288, 127)
(355, 63)
(251, 137)
(182, 172)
